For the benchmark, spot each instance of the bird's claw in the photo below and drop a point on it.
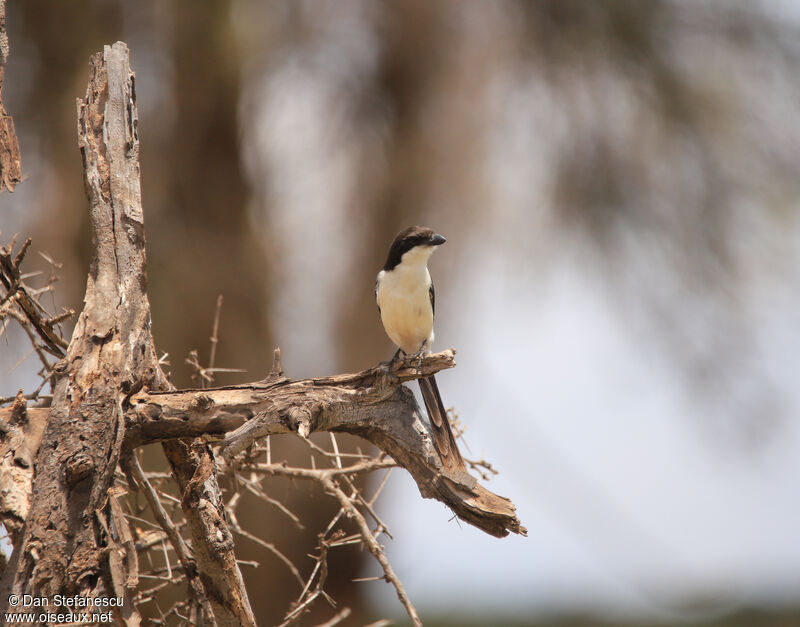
(401, 357)
(395, 360)
(420, 354)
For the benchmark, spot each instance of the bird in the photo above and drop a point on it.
(406, 303)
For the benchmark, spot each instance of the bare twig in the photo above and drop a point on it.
(214, 334)
(337, 618)
(16, 290)
(256, 491)
(165, 522)
(237, 528)
(372, 545)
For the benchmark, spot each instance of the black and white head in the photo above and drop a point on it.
(413, 246)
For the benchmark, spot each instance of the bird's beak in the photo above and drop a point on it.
(437, 240)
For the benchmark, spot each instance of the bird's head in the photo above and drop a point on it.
(413, 245)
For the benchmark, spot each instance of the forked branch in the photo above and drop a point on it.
(372, 404)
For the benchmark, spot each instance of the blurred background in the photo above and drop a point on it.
(619, 186)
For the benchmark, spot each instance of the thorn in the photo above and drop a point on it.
(21, 254)
(67, 313)
(11, 244)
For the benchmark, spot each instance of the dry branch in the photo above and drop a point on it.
(111, 350)
(76, 541)
(181, 549)
(372, 404)
(201, 501)
(34, 314)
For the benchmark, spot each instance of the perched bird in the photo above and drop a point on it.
(404, 292)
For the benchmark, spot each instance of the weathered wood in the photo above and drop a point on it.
(68, 533)
(251, 410)
(21, 433)
(76, 540)
(201, 501)
(10, 160)
(372, 404)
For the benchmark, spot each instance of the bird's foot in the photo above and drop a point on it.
(420, 354)
(397, 359)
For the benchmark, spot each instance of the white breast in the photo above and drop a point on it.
(404, 299)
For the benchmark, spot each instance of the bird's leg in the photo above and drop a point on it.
(397, 358)
(420, 353)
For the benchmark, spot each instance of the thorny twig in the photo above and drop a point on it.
(178, 544)
(202, 376)
(205, 375)
(212, 356)
(331, 479)
(21, 300)
(237, 528)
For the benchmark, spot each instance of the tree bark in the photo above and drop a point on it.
(21, 433)
(68, 532)
(10, 160)
(212, 542)
(76, 540)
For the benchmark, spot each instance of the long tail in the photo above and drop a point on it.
(443, 437)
